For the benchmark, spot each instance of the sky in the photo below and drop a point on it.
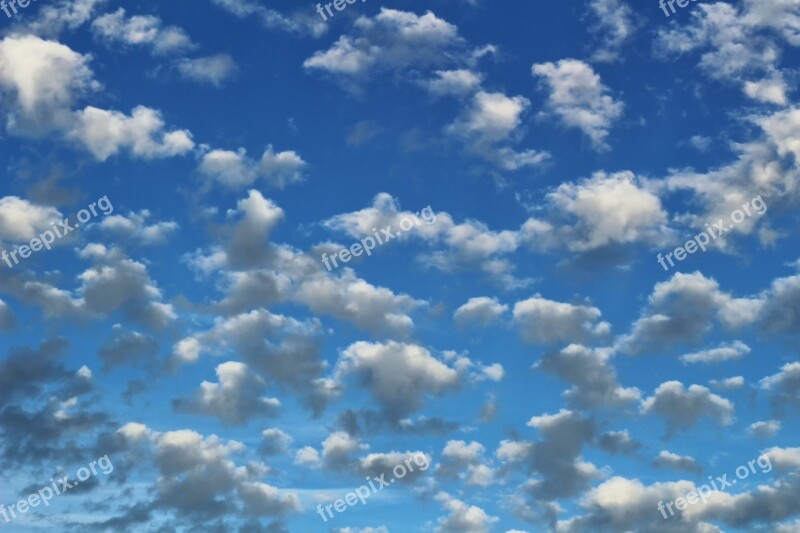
(486, 267)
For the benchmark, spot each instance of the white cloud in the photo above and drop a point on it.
(546, 321)
(215, 70)
(134, 227)
(458, 82)
(481, 310)
(683, 408)
(142, 30)
(21, 220)
(106, 133)
(463, 518)
(613, 25)
(391, 41)
(399, 376)
(236, 170)
(724, 352)
(765, 429)
(235, 399)
(603, 210)
(579, 99)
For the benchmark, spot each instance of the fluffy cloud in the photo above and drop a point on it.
(134, 227)
(470, 244)
(236, 170)
(466, 461)
(458, 82)
(546, 321)
(579, 99)
(391, 41)
(280, 349)
(463, 518)
(682, 408)
(106, 133)
(615, 442)
(399, 376)
(21, 220)
(593, 377)
(597, 212)
(682, 310)
(235, 399)
(490, 119)
(733, 46)
(198, 476)
(45, 78)
(142, 30)
(764, 430)
(784, 387)
(481, 310)
(275, 441)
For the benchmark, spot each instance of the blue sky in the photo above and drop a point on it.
(523, 338)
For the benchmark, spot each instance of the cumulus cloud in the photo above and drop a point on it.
(765, 429)
(682, 310)
(784, 387)
(578, 99)
(462, 517)
(683, 408)
(457, 82)
(391, 41)
(455, 246)
(604, 210)
(278, 348)
(198, 475)
(275, 441)
(134, 227)
(592, 375)
(399, 376)
(481, 310)
(546, 321)
(235, 399)
(106, 133)
(44, 79)
(236, 170)
(491, 119)
(21, 220)
(615, 442)
(142, 30)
